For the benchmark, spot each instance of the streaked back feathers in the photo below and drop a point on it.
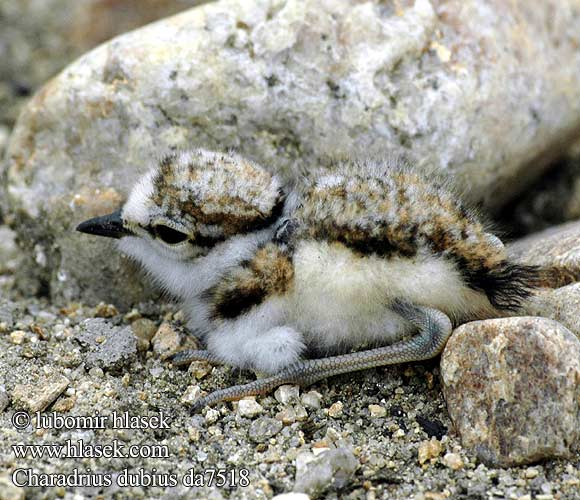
(387, 208)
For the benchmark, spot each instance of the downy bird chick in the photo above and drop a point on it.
(365, 253)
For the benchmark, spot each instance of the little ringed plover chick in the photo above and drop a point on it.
(365, 253)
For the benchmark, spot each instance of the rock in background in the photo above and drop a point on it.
(39, 37)
(484, 91)
(554, 198)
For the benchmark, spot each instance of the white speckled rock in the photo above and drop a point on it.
(332, 467)
(512, 387)
(249, 408)
(478, 89)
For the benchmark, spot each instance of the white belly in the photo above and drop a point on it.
(341, 299)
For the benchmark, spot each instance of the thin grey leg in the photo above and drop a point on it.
(434, 330)
(188, 355)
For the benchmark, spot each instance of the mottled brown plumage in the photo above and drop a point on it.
(219, 195)
(269, 273)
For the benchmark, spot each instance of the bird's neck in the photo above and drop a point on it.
(187, 280)
(206, 271)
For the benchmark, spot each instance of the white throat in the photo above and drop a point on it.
(186, 280)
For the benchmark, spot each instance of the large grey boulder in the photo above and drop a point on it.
(486, 91)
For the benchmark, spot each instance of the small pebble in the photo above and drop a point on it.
(212, 416)
(156, 371)
(132, 315)
(333, 467)
(332, 434)
(105, 310)
(335, 409)
(199, 369)
(191, 394)
(144, 329)
(63, 405)
(531, 473)
(166, 340)
(435, 495)
(287, 415)
(453, 461)
(399, 433)
(286, 393)
(301, 413)
(193, 434)
(312, 399)
(429, 450)
(249, 408)
(17, 336)
(263, 429)
(320, 444)
(96, 372)
(41, 332)
(38, 395)
(377, 411)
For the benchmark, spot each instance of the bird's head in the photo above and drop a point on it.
(190, 202)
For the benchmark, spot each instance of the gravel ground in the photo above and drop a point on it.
(383, 433)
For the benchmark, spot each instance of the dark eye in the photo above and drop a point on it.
(169, 235)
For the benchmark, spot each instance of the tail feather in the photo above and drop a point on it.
(507, 285)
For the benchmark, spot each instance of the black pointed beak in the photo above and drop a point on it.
(110, 225)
